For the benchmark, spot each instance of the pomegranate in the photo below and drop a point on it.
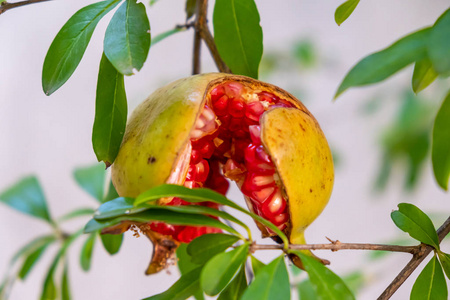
(206, 130)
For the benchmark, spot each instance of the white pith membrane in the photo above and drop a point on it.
(225, 142)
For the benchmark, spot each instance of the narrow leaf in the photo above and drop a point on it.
(201, 195)
(423, 75)
(306, 290)
(236, 288)
(206, 246)
(440, 154)
(185, 265)
(32, 246)
(117, 207)
(379, 66)
(416, 223)
(445, 262)
(81, 212)
(92, 180)
(190, 8)
(344, 11)
(70, 43)
(49, 291)
(31, 260)
(65, 287)
(86, 252)
(439, 44)
(127, 38)
(27, 197)
(165, 34)
(185, 287)
(430, 285)
(326, 284)
(257, 265)
(110, 113)
(219, 270)
(238, 35)
(271, 282)
(112, 242)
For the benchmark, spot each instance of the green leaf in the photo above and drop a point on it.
(92, 180)
(238, 35)
(439, 44)
(423, 75)
(110, 113)
(344, 11)
(31, 260)
(379, 66)
(441, 144)
(271, 282)
(191, 6)
(70, 43)
(306, 290)
(165, 34)
(112, 193)
(257, 265)
(160, 214)
(201, 195)
(416, 223)
(127, 38)
(32, 246)
(236, 288)
(49, 291)
(185, 265)
(81, 212)
(445, 262)
(117, 207)
(65, 287)
(86, 252)
(122, 206)
(219, 270)
(27, 197)
(206, 246)
(112, 242)
(327, 285)
(430, 285)
(185, 287)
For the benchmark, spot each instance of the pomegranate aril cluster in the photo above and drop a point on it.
(226, 142)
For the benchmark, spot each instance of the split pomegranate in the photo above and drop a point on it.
(207, 130)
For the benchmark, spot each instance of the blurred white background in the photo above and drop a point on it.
(50, 136)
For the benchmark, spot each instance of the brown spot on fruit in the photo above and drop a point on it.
(151, 160)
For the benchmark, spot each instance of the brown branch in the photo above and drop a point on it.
(201, 27)
(414, 263)
(336, 245)
(199, 16)
(6, 5)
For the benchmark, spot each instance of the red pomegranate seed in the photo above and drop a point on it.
(238, 151)
(254, 110)
(235, 124)
(233, 89)
(201, 170)
(263, 194)
(221, 105)
(163, 228)
(241, 134)
(190, 176)
(268, 97)
(236, 108)
(250, 154)
(262, 155)
(187, 234)
(217, 92)
(280, 219)
(274, 206)
(196, 157)
(255, 134)
(255, 181)
(178, 201)
(191, 184)
(225, 120)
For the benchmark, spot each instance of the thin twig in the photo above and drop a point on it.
(201, 26)
(6, 5)
(196, 62)
(414, 263)
(335, 246)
